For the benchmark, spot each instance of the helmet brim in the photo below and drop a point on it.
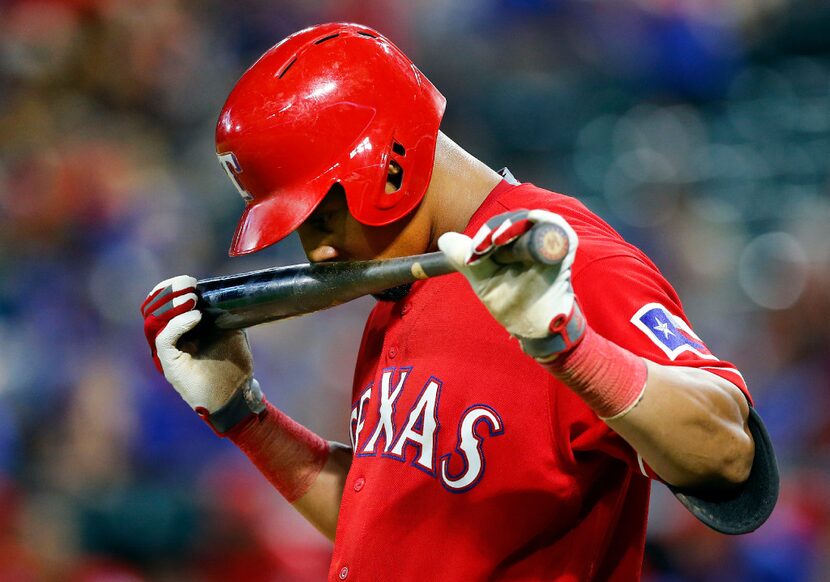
(270, 220)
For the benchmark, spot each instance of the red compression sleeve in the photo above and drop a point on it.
(609, 378)
(287, 453)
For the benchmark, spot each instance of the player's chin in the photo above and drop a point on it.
(393, 294)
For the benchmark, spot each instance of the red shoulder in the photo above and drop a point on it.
(597, 238)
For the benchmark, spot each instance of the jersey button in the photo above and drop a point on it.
(359, 483)
(393, 351)
(344, 573)
(406, 308)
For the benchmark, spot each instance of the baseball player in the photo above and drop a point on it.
(507, 421)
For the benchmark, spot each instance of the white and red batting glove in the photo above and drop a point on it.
(214, 375)
(536, 304)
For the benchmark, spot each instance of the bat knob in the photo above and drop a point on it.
(549, 243)
(546, 244)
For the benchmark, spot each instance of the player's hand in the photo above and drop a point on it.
(534, 302)
(208, 369)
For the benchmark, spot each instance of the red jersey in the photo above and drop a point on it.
(471, 461)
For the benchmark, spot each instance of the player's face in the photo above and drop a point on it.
(332, 234)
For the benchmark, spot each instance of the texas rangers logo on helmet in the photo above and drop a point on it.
(669, 332)
(232, 168)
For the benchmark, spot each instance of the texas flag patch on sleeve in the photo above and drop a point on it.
(669, 332)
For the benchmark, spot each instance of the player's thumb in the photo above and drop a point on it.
(168, 337)
(458, 248)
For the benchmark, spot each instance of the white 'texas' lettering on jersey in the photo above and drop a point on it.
(469, 447)
(358, 417)
(421, 427)
(420, 431)
(387, 410)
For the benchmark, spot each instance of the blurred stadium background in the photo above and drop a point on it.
(700, 129)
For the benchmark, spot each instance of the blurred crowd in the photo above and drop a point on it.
(699, 128)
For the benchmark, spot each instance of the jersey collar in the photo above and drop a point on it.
(478, 218)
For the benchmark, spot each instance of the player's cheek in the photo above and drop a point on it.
(356, 241)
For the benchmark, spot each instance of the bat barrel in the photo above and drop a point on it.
(247, 299)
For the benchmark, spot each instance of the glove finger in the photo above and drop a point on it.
(481, 242)
(162, 297)
(512, 216)
(457, 248)
(168, 337)
(166, 287)
(150, 297)
(485, 239)
(510, 231)
(170, 301)
(153, 325)
(177, 282)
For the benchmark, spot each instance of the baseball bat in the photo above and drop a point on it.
(248, 299)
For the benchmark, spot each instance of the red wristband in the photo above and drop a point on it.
(609, 378)
(287, 453)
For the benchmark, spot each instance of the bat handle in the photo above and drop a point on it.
(546, 243)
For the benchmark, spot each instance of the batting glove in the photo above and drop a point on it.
(534, 302)
(213, 373)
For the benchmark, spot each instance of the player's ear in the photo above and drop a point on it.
(394, 177)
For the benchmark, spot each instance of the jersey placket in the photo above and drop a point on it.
(346, 565)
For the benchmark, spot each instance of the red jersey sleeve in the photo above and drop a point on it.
(627, 300)
(643, 314)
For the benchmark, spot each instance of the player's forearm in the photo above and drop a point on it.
(307, 470)
(321, 503)
(690, 427)
(687, 424)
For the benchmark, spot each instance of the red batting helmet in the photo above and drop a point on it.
(334, 103)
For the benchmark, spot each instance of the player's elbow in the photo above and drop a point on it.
(736, 464)
(723, 464)
(730, 447)
(735, 444)
(727, 467)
